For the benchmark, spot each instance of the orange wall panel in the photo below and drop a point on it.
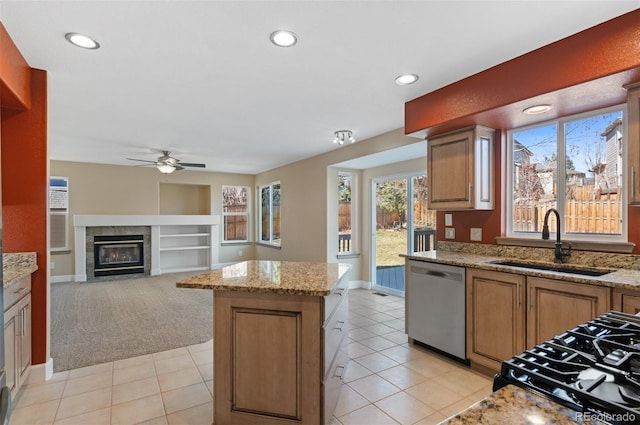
(25, 168)
(15, 87)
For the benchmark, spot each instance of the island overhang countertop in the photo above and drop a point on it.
(276, 277)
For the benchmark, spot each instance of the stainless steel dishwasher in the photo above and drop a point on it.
(436, 307)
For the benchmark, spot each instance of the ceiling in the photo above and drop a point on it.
(201, 78)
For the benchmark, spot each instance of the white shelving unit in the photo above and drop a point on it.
(178, 242)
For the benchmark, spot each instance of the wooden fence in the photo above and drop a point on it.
(423, 217)
(582, 216)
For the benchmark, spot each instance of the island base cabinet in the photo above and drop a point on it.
(270, 362)
(17, 344)
(495, 317)
(556, 306)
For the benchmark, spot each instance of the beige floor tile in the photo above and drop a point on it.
(377, 343)
(404, 408)
(84, 403)
(91, 370)
(428, 367)
(397, 324)
(334, 421)
(360, 334)
(160, 420)
(376, 362)
(398, 337)
(88, 383)
(176, 352)
(209, 385)
(456, 407)
(349, 401)
(402, 377)
(133, 373)
(97, 417)
(56, 377)
(206, 371)
(358, 350)
(34, 394)
(381, 317)
(185, 397)
(374, 388)
(178, 379)
(202, 357)
(199, 415)
(135, 411)
(434, 395)
(435, 419)
(355, 371)
(483, 393)
(361, 321)
(133, 361)
(134, 390)
(201, 347)
(369, 415)
(401, 354)
(35, 414)
(463, 381)
(172, 364)
(379, 329)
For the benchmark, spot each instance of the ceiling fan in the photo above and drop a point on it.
(167, 164)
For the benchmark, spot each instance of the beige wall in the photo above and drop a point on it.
(113, 189)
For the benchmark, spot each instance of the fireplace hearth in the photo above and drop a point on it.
(118, 254)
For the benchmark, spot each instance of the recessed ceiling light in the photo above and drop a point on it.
(81, 40)
(406, 79)
(283, 38)
(537, 109)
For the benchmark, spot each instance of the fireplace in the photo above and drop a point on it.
(118, 254)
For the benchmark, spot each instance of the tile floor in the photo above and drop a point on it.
(388, 381)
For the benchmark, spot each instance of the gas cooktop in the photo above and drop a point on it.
(593, 369)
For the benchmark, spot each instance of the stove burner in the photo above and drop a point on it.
(594, 367)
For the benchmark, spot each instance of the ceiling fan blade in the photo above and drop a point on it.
(178, 167)
(142, 160)
(192, 164)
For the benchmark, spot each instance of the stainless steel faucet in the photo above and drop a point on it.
(560, 253)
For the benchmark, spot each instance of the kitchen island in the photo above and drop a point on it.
(279, 336)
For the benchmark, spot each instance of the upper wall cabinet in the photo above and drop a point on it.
(633, 144)
(460, 170)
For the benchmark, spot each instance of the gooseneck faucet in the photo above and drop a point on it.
(560, 253)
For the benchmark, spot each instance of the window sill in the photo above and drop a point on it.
(234, 243)
(266, 245)
(617, 247)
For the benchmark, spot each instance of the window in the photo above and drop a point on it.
(574, 165)
(58, 213)
(346, 212)
(235, 213)
(269, 225)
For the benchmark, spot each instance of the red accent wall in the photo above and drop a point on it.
(15, 74)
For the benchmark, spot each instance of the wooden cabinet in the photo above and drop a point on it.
(460, 170)
(17, 333)
(495, 317)
(279, 359)
(626, 300)
(633, 142)
(556, 306)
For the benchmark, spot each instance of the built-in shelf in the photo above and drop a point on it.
(178, 242)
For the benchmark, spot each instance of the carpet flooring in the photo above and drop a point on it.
(97, 322)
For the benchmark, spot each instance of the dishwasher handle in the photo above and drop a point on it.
(436, 273)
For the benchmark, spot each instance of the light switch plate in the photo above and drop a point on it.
(448, 219)
(450, 233)
(476, 234)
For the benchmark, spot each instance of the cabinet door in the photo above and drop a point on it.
(556, 306)
(450, 169)
(626, 300)
(10, 332)
(495, 316)
(633, 144)
(24, 332)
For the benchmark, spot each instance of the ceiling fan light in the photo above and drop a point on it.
(166, 168)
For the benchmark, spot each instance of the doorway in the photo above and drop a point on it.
(402, 224)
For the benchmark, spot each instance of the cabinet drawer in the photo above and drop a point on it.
(332, 300)
(333, 382)
(13, 293)
(334, 333)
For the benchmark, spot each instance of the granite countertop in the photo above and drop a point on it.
(277, 277)
(614, 277)
(17, 265)
(514, 405)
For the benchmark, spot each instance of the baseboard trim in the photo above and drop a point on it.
(355, 284)
(62, 278)
(41, 372)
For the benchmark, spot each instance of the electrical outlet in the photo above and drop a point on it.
(448, 219)
(449, 233)
(476, 234)
(240, 253)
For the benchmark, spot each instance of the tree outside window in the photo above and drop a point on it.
(269, 225)
(235, 213)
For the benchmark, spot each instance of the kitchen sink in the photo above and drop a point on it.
(585, 271)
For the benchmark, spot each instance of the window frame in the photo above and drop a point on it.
(354, 196)
(246, 214)
(259, 239)
(561, 176)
